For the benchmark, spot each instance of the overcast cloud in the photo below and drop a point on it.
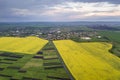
(59, 10)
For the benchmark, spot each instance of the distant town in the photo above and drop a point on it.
(52, 34)
(56, 31)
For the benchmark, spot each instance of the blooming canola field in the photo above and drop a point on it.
(28, 45)
(89, 60)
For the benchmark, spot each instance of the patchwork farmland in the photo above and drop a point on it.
(22, 63)
(32, 58)
(90, 60)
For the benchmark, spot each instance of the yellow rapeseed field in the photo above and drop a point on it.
(89, 61)
(29, 45)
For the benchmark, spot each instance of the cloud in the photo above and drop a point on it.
(81, 10)
(59, 10)
(23, 12)
(91, 1)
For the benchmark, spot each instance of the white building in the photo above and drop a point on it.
(86, 38)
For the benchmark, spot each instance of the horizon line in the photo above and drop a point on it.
(53, 21)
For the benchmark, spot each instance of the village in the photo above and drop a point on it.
(51, 33)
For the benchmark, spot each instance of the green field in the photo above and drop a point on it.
(111, 35)
(114, 38)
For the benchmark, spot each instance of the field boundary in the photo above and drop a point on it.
(65, 67)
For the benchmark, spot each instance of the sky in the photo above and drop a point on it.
(59, 10)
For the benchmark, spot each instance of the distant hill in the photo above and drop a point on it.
(52, 24)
